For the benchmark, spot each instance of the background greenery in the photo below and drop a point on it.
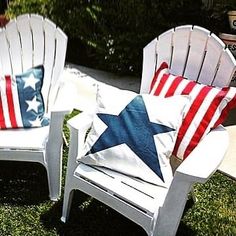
(110, 35)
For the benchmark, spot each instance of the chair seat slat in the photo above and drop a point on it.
(116, 185)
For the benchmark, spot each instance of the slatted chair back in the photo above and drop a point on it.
(31, 40)
(190, 51)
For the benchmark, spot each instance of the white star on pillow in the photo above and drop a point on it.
(33, 104)
(36, 122)
(31, 81)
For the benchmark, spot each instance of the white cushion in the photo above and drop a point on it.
(134, 134)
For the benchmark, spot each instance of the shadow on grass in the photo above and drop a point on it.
(89, 217)
(22, 183)
(183, 229)
(25, 184)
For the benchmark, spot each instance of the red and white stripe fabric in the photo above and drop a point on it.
(209, 107)
(21, 101)
(10, 112)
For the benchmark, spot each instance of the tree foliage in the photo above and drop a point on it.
(111, 34)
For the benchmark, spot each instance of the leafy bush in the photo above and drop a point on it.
(110, 35)
(18, 7)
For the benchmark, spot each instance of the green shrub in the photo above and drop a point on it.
(18, 7)
(110, 35)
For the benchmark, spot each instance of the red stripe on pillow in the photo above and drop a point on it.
(161, 84)
(203, 126)
(10, 102)
(176, 82)
(197, 102)
(2, 118)
(210, 107)
(163, 66)
(188, 89)
(231, 104)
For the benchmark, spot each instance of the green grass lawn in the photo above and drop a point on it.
(26, 210)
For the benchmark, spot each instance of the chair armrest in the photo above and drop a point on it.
(56, 126)
(78, 126)
(198, 167)
(64, 100)
(81, 122)
(204, 160)
(81, 88)
(63, 109)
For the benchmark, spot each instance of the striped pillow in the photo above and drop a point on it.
(21, 101)
(209, 108)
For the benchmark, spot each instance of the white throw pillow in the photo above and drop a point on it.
(134, 134)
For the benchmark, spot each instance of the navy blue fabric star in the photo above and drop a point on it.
(132, 127)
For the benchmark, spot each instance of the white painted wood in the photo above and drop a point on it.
(30, 40)
(197, 44)
(190, 51)
(226, 69)
(193, 167)
(207, 60)
(149, 66)
(181, 38)
(14, 47)
(228, 166)
(137, 184)
(4, 55)
(60, 54)
(50, 46)
(23, 138)
(123, 207)
(36, 24)
(114, 183)
(165, 47)
(214, 51)
(26, 40)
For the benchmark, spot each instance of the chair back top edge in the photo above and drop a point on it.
(191, 51)
(30, 40)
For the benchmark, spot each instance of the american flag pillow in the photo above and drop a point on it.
(21, 101)
(130, 137)
(209, 107)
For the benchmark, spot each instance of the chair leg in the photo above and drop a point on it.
(54, 187)
(68, 196)
(70, 186)
(54, 175)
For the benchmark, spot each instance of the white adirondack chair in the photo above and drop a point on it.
(197, 54)
(27, 41)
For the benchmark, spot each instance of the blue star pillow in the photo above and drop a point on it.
(134, 134)
(21, 101)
